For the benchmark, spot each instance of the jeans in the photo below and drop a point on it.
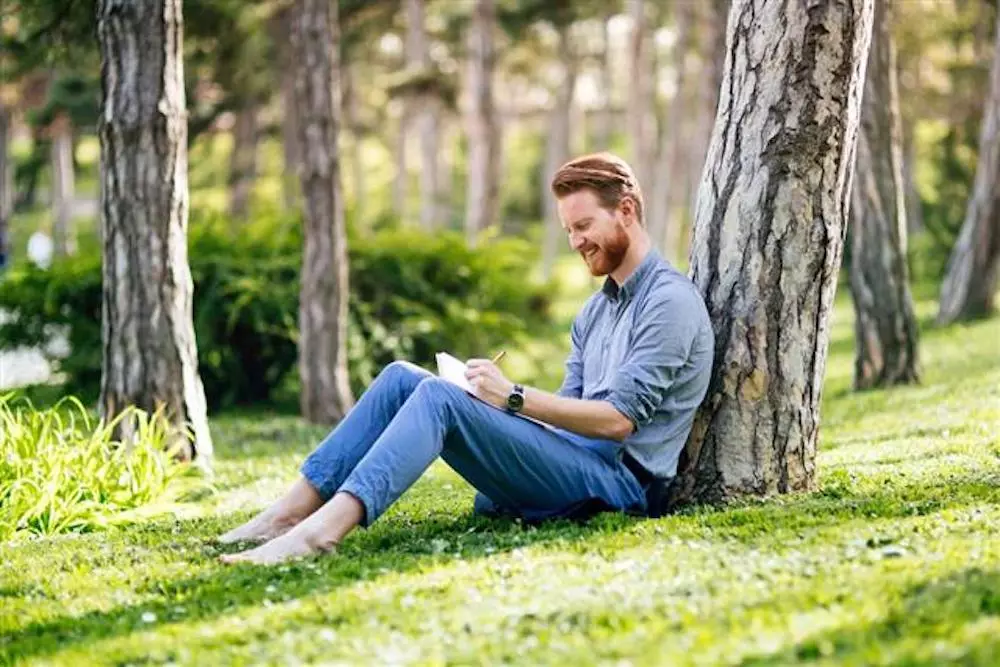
(408, 417)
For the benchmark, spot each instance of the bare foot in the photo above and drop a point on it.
(295, 544)
(260, 529)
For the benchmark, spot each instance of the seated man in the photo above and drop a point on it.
(639, 367)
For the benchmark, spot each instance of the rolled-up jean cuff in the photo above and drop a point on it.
(362, 496)
(312, 474)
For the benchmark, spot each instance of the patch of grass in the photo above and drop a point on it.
(894, 560)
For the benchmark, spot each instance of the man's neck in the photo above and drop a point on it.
(633, 258)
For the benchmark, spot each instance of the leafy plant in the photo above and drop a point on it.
(62, 472)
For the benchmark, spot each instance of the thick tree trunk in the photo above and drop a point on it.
(971, 280)
(557, 147)
(483, 189)
(150, 356)
(672, 139)
(6, 185)
(885, 327)
(642, 95)
(63, 186)
(243, 161)
(326, 394)
(768, 239)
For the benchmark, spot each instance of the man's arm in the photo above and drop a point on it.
(594, 419)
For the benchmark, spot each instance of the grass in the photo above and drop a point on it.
(895, 560)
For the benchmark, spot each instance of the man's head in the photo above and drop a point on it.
(600, 205)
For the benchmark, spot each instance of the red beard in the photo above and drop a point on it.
(609, 255)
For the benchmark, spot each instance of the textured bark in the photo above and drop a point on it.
(6, 184)
(557, 146)
(672, 140)
(971, 280)
(63, 186)
(768, 239)
(642, 94)
(482, 125)
(885, 327)
(150, 357)
(326, 395)
(426, 121)
(243, 161)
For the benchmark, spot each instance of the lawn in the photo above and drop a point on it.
(895, 560)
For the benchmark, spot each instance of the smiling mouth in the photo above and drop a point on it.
(591, 253)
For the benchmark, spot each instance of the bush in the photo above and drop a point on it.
(411, 295)
(60, 473)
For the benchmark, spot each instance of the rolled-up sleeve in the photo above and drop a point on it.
(572, 386)
(659, 348)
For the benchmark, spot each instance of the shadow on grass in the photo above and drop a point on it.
(930, 611)
(403, 545)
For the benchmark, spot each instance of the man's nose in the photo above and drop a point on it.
(576, 241)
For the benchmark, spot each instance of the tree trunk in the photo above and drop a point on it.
(63, 186)
(971, 280)
(557, 147)
(768, 238)
(642, 95)
(326, 395)
(605, 116)
(669, 162)
(150, 356)
(401, 181)
(885, 327)
(482, 192)
(6, 185)
(243, 161)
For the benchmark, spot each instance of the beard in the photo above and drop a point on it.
(609, 254)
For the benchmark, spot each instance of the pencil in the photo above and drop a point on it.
(500, 355)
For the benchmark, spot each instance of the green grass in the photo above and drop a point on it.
(895, 560)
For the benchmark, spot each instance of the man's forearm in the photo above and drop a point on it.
(594, 419)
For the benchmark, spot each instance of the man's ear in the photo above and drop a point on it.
(628, 208)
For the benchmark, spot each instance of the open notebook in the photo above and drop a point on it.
(453, 370)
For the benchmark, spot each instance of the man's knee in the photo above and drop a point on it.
(404, 374)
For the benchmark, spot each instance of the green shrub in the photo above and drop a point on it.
(59, 472)
(411, 295)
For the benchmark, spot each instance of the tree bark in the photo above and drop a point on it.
(483, 190)
(557, 146)
(63, 186)
(768, 238)
(150, 356)
(243, 161)
(885, 327)
(971, 279)
(6, 185)
(326, 394)
(642, 95)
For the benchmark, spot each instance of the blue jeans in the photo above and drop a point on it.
(408, 417)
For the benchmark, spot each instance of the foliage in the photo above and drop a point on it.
(411, 295)
(893, 560)
(60, 472)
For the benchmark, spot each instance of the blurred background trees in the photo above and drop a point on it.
(452, 115)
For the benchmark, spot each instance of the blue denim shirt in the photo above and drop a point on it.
(646, 348)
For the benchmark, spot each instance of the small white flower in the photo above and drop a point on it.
(148, 617)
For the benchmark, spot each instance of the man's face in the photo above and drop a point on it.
(596, 233)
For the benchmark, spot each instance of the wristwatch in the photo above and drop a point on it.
(515, 399)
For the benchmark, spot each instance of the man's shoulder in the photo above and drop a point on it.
(668, 284)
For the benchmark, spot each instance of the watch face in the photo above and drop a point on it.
(515, 402)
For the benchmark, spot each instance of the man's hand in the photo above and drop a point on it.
(488, 382)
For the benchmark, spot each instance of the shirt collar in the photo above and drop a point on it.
(631, 285)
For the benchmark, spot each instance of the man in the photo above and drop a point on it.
(639, 367)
